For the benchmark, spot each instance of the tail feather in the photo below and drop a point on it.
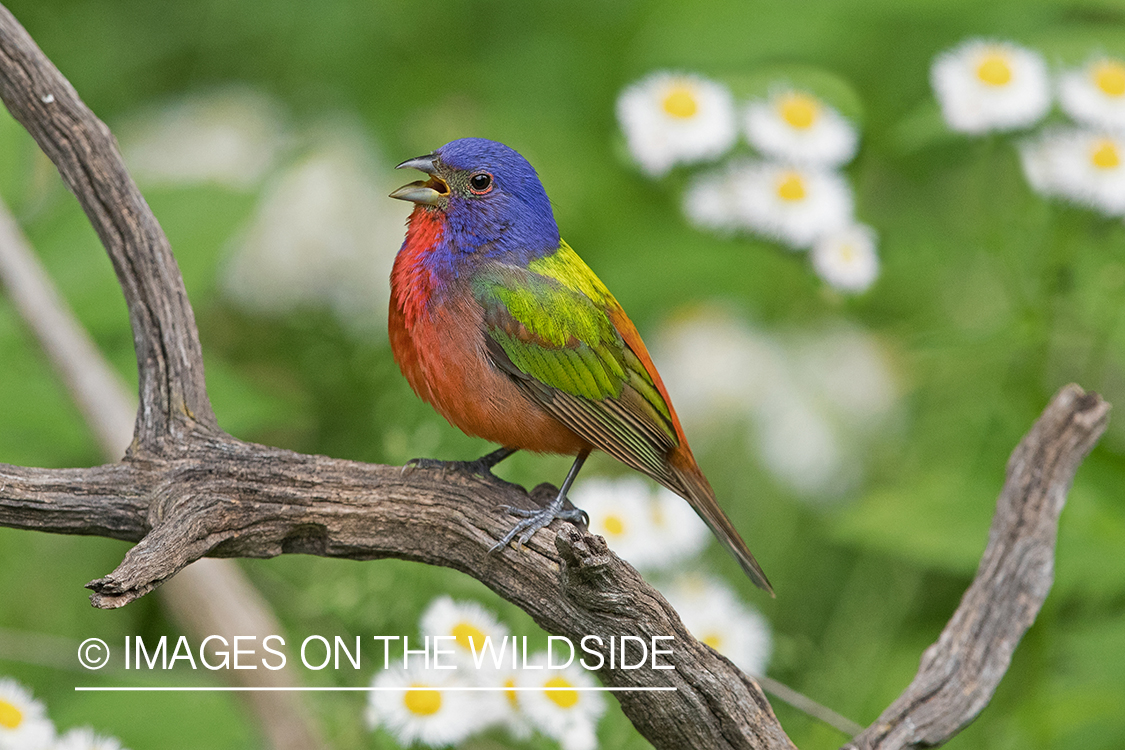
(690, 484)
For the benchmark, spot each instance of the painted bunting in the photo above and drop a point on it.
(496, 322)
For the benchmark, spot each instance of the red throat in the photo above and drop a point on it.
(411, 281)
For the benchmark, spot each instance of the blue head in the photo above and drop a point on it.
(490, 198)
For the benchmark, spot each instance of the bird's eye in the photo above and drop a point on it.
(480, 183)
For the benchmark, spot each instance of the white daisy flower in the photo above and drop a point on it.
(229, 137)
(651, 527)
(718, 367)
(84, 738)
(676, 118)
(800, 447)
(795, 126)
(1037, 160)
(1095, 94)
(847, 371)
(468, 623)
(807, 399)
(512, 716)
(23, 720)
(567, 715)
(795, 205)
(423, 709)
(712, 612)
(323, 236)
(619, 510)
(1082, 166)
(709, 203)
(846, 259)
(677, 529)
(985, 85)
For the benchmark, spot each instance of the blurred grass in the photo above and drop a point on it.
(991, 299)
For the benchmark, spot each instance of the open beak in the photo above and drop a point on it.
(430, 192)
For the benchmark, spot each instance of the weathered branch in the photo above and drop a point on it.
(208, 597)
(172, 392)
(960, 672)
(187, 490)
(239, 499)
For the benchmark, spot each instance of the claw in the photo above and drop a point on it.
(533, 520)
(481, 467)
(536, 520)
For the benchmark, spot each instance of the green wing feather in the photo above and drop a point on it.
(548, 326)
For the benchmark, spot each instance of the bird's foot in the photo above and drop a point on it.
(533, 520)
(434, 463)
(481, 467)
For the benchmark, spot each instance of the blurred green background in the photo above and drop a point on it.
(990, 299)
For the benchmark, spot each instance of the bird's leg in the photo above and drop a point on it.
(533, 520)
(480, 467)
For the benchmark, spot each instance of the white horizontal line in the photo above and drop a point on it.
(455, 688)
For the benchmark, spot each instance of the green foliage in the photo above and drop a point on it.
(991, 298)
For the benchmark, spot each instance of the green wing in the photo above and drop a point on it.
(549, 327)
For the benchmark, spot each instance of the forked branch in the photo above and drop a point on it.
(186, 490)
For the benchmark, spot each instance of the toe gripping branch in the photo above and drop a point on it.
(533, 520)
(481, 467)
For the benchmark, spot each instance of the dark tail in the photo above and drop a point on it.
(691, 485)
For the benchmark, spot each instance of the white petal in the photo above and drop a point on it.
(829, 139)
(619, 511)
(824, 204)
(712, 612)
(659, 140)
(1090, 104)
(847, 259)
(230, 137)
(1062, 162)
(800, 447)
(84, 738)
(576, 720)
(323, 236)
(34, 730)
(457, 715)
(971, 105)
(709, 203)
(717, 367)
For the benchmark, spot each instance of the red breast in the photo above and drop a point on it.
(437, 342)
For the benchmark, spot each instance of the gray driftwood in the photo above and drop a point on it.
(185, 489)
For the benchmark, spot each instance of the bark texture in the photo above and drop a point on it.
(185, 490)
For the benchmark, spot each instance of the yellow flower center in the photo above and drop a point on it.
(463, 631)
(791, 187)
(848, 253)
(714, 640)
(799, 110)
(422, 702)
(680, 102)
(1106, 155)
(1109, 76)
(562, 698)
(10, 716)
(994, 70)
(512, 695)
(614, 525)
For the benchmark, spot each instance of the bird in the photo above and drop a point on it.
(498, 324)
